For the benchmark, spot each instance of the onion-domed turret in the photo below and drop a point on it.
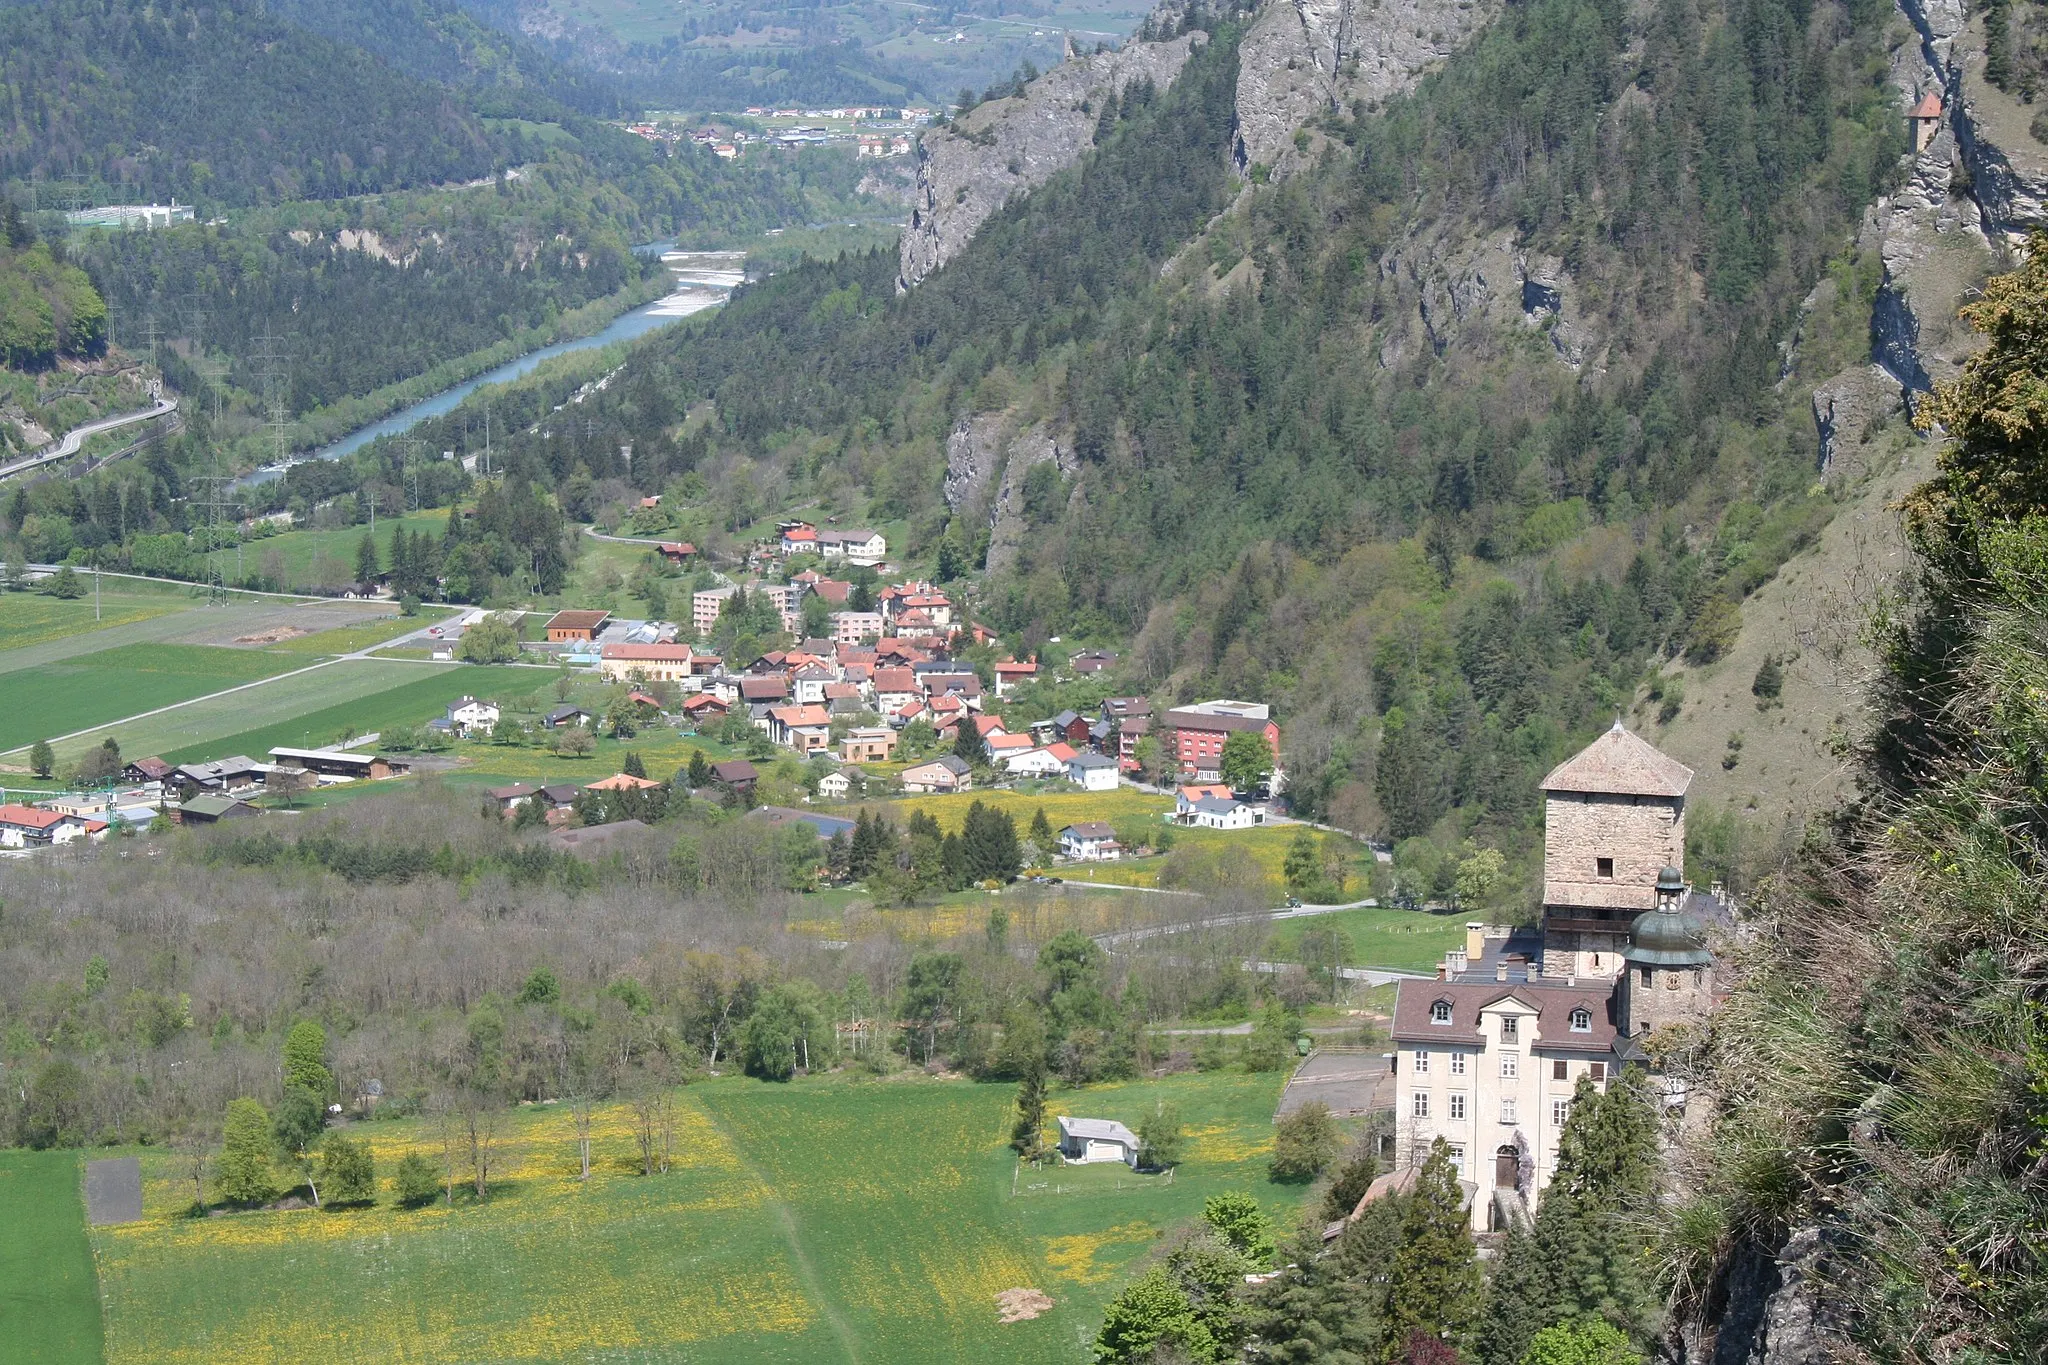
(1667, 936)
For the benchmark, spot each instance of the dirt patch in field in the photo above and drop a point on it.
(250, 626)
(274, 636)
(1021, 1305)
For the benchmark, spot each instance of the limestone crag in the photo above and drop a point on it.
(973, 451)
(1847, 410)
(1487, 283)
(1007, 146)
(1303, 58)
(1007, 524)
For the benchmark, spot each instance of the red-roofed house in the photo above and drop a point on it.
(806, 729)
(706, 707)
(1923, 120)
(27, 827)
(801, 538)
(1010, 672)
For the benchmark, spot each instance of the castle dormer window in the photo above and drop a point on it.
(1582, 1020)
(1510, 1028)
(1440, 1012)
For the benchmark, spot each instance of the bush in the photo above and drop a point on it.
(1240, 1221)
(1305, 1142)
(1160, 1136)
(348, 1172)
(416, 1182)
(242, 1173)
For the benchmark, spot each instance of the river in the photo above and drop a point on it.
(703, 279)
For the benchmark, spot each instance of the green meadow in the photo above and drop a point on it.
(92, 689)
(49, 1304)
(1403, 940)
(829, 1219)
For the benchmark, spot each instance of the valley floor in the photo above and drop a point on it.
(824, 1220)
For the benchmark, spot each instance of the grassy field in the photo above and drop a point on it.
(362, 635)
(1405, 940)
(353, 697)
(1264, 844)
(92, 689)
(828, 1219)
(49, 1300)
(305, 559)
(31, 619)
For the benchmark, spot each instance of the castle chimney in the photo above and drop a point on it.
(1475, 940)
(1500, 971)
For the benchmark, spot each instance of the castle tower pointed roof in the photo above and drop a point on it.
(1620, 764)
(1928, 107)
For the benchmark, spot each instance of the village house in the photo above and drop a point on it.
(1083, 1141)
(471, 717)
(1037, 762)
(511, 798)
(869, 744)
(942, 774)
(1213, 807)
(735, 774)
(1010, 673)
(28, 827)
(798, 538)
(705, 708)
(1092, 772)
(576, 627)
(1195, 735)
(677, 551)
(621, 782)
(895, 688)
(1090, 661)
(1001, 746)
(1489, 1054)
(806, 729)
(855, 547)
(807, 684)
(559, 716)
(835, 786)
(238, 773)
(1090, 841)
(144, 770)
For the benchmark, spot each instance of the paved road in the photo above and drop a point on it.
(1121, 936)
(78, 436)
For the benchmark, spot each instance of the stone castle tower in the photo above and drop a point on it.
(1613, 818)
(1669, 973)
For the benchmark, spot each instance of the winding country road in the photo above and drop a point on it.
(78, 436)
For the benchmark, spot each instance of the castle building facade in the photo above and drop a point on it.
(1488, 1055)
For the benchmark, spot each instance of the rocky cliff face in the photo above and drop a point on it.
(1303, 58)
(1009, 145)
(985, 467)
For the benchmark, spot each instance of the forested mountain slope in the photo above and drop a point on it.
(220, 103)
(1433, 441)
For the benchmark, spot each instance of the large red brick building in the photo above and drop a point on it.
(1194, 735)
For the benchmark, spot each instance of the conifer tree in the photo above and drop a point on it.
(968, 745)
(1436, 1283)
(700, 769)
(633, 766)
(1027, 1135)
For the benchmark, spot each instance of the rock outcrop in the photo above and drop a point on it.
(1488, 283)
(985, 467)
(1303, 58)
(1007, 146)
(1774, 1310)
